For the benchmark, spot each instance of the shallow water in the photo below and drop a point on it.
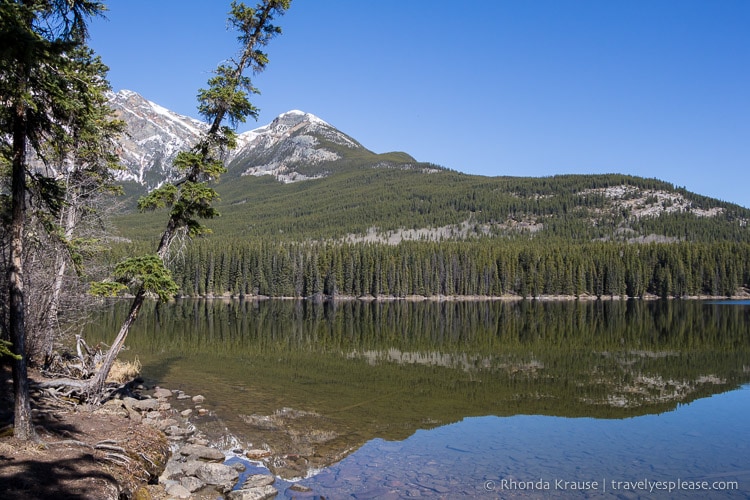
(486, 399)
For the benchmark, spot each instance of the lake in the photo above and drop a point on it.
(451, 399)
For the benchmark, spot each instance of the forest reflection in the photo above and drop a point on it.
(352, 371)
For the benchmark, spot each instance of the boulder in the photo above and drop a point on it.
(260, 493)
(190, 468)
(178, 491)
(257, 480)
(202, 452)
(198, 399)
(145, 404)
(191, 483)
(220, 476)
(257, 454)
(162, 393)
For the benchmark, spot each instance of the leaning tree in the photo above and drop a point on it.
(191, 198)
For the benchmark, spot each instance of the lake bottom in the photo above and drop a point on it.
(699, 450)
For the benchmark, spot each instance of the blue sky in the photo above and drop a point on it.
(492, 87)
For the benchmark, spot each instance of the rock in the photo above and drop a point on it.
(161, 393)
(190, 468)
(239, 467)
(144, 404)
(197, 440)
(257, 480)
(202, 452)
(202, 412)
(191, 483)
(299, 488)
(219, 475)
(178, 491)
(198, 399)
(186, 413)
(165, 407)
(172, 470)
(182, 395)
(176, 431)
(262, 493)
(257, 454)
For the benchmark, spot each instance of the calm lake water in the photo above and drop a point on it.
(465, 399)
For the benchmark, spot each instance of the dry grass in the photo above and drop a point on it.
(124, 371)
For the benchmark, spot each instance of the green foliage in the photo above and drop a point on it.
(468, 268)
(160, 197)
(146, 272)
(5, 350)
(228, 91)
(106, 288)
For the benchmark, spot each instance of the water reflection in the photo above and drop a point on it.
(314, 382)
(704, 443)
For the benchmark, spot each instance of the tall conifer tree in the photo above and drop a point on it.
(191, 198)
(35, 39)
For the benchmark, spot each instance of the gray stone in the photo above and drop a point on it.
(176, 431)
(162, 393)
(191, 483)
(300, 488)
(219, 475)
(261, 493)
(190, 468)
(186, 413)
(172, 470)
(198, 399)
(182, 395)
(145, 404)
(257, 480)
(165, 407)
(202, 452)
(178, 491)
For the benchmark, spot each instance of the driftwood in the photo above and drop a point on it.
(75, 377)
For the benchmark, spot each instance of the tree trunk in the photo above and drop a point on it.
(68, 222)
(95, 387)
(23, 427)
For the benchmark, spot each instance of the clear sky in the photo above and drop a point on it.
(492, 87)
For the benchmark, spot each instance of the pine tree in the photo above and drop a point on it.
(36, 39)
(190, 198)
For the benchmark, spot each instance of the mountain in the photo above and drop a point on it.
(299, 177)
(295, 146)
(153, 137)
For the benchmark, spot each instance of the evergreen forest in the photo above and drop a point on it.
(473, 236)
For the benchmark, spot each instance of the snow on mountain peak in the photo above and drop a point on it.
(288, 146)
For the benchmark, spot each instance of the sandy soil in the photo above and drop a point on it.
(79, 455)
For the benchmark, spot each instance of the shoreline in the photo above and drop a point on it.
(740, 295)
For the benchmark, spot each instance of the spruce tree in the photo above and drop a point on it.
(191, 198)
(36, 38)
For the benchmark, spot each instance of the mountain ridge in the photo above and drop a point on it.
(299, 177)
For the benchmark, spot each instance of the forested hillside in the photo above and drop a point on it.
(306, 210)
(410, 229)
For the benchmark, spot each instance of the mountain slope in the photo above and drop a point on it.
(300, 178)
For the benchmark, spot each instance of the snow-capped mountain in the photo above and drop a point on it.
(293, 147)
(153, 137)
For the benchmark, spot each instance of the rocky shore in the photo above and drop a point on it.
(195, 469)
